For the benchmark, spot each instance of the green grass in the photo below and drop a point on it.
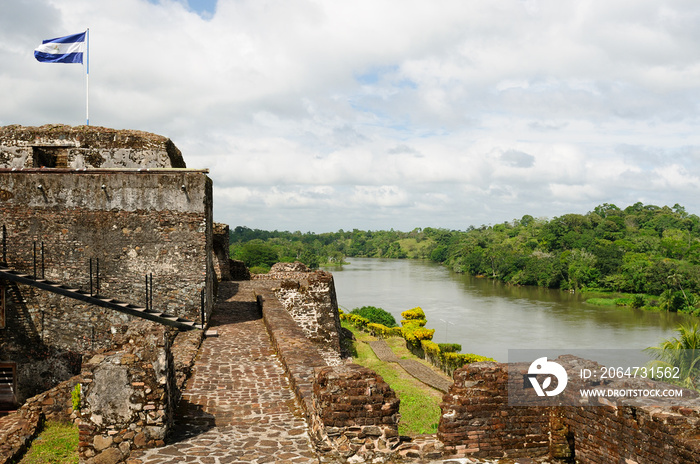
(622, 300)
(601, 301)
(56, 444)
(420, 404)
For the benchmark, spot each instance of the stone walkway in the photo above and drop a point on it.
(425, 374)
(383, 351)
(237, 407)
(417, 369)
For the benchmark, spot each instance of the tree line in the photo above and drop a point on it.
(641, 249)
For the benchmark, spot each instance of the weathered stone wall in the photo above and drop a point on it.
(299, 355)
(39, 365)
(221, 251)
(637, 430)
(477, 421)
(127, 381)
(134, 223)
(127, 397)
(85, 147)
(16, 433)
(310, 298)
(18, 429)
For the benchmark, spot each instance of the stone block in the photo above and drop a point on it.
(102, 442)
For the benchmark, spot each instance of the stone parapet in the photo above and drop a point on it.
(309, 296)
(298, 354)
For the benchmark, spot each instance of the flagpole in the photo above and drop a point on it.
(87, 78)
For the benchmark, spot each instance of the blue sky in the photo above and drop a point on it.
(373, 114)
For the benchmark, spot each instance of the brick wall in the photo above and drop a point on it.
(359, 410)
(477, 421)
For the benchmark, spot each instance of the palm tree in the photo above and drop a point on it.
(682, 352)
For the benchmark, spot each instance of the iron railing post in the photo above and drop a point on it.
(4, 244)
(202, 306)
(97, 275)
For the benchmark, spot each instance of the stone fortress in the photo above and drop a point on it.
(121, 311)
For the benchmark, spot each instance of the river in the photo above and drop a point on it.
(489, 318)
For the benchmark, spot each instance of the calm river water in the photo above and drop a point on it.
(489, 318)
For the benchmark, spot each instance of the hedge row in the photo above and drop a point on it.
(443, 355)
(446, 360)
(382, 331)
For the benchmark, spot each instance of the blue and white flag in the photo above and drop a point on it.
(68, 49)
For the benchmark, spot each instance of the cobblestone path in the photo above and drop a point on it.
(237, 406)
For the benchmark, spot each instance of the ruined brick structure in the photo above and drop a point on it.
(69, 195)
(478, 421)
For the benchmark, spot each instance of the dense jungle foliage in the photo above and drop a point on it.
(642, 249)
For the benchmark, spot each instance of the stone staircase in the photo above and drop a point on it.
(105, 302)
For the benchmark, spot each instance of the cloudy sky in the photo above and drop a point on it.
(376, 114)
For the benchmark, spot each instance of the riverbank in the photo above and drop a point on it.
(652, 303)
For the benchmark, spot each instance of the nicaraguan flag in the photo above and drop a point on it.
(68, 49)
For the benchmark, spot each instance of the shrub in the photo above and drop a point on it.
(354, 319)
(415, 313)
(259, 270)
(375, 315)
(450, 347)
(456, 360)
(448, 361)
(415, 334)
(637, 301)
(75, 397)
(416, 322)
(380, 330)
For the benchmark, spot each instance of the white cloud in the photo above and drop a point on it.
(383, 113)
